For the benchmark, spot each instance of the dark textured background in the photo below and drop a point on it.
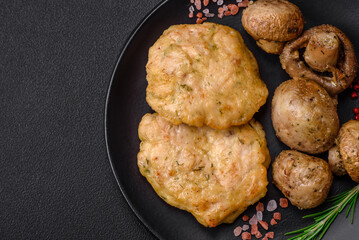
(56, 61)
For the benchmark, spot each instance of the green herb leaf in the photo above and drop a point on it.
(198, 169)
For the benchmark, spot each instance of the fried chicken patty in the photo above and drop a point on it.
(213, 174)
(203, 74)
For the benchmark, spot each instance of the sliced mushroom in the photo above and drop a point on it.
(272, 23)
(327, 49)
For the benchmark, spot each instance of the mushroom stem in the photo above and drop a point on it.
(322, 51)
(273, 47)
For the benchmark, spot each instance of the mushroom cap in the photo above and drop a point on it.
(343, 73)
(349, 148)
(274, 20)
(304, 116)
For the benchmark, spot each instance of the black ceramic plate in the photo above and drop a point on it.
(126, 105)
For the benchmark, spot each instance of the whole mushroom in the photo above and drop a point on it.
(346, 160)
(272, 23)
(303, 179)
(304, 116)
(323, 54)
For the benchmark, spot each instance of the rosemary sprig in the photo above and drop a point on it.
(325, 218)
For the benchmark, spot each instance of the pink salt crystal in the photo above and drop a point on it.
(272, 205)
(198, 4)
(206, 10)
(259, 234)
(237, 231)
(245, 227)
(253, 220)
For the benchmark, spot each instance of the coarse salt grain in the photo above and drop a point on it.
(260, 207)
(273, 222)
(205, 11)
(237, 231)
(272, 205)
(192, 1)
(260, 216)
(191, 8)
(220, 2)
(198, 4)
(199, 20)
(225, 7)
(254, 229)
(209, 15)
(283, 202)
(253, 220)
(270, 235)
(246, 236)
(264, 224)
(245, 227)
(245, 218)
(277, 216)
(227, 13)
(259, 234)
(234, 10)
(244, 3)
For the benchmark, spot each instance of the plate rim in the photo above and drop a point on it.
(106, 128)
(109, 94)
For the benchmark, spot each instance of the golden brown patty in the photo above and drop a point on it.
(203, 74)
(213, 174)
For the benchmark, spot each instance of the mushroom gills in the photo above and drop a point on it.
(322, 51)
